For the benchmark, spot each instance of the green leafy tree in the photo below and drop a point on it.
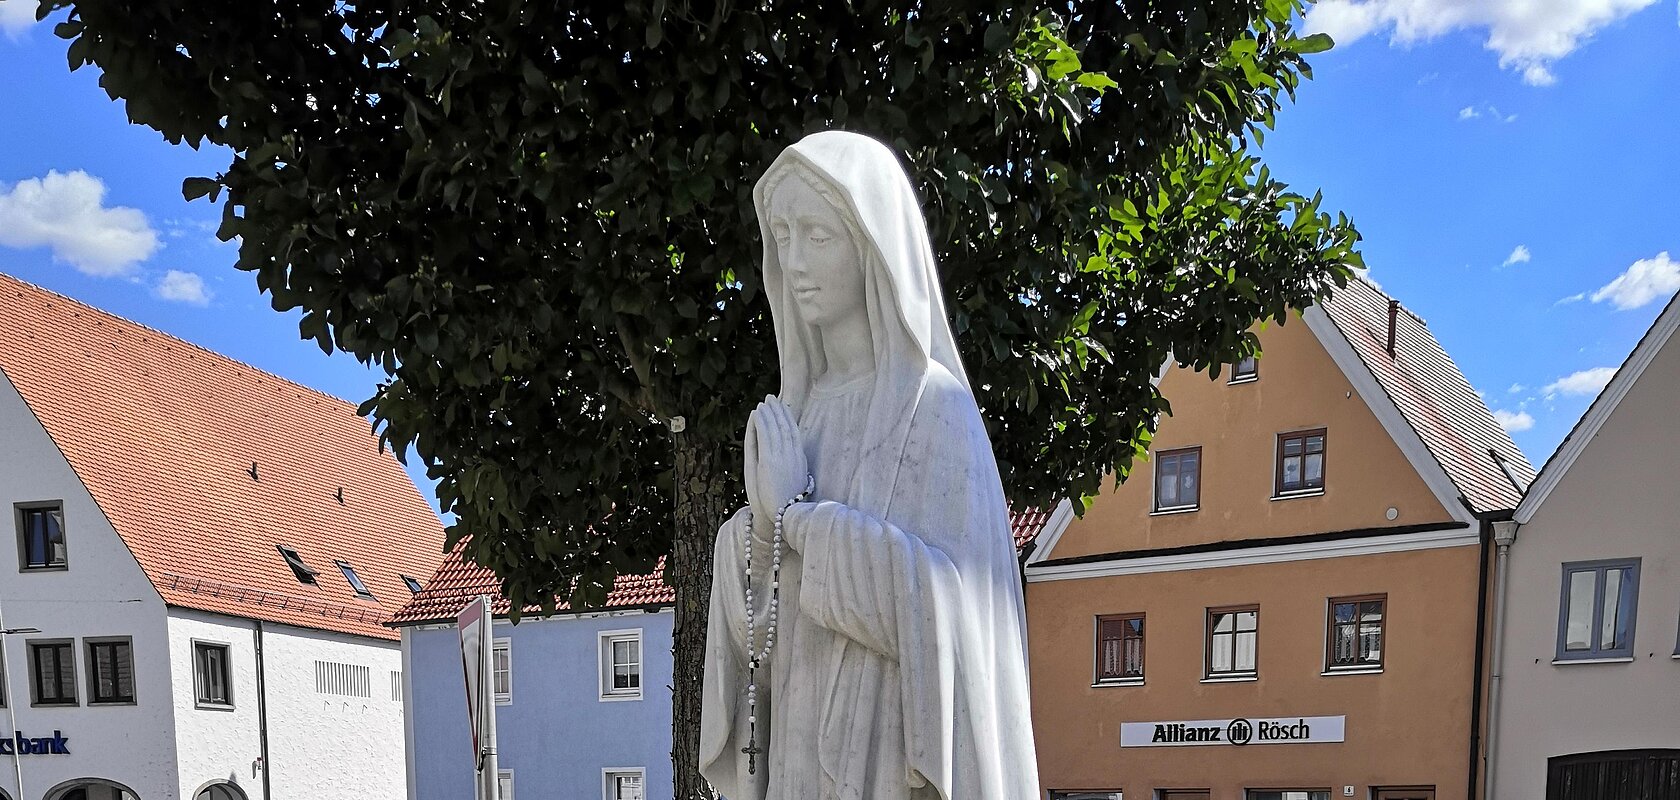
(536, 218)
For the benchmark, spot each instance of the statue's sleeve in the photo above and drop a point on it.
(723, 714)
(859, 575)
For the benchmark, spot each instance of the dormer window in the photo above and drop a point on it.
(354, 579)
(413, 585)
(301, 570)
(1245, 370)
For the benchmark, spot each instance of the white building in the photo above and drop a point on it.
(1585, 686)
(204, 555)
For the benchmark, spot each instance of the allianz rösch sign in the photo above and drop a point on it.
(1239, 731)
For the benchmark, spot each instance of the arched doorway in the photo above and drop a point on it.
(221, 790)
(1614, 775)
(91, 789)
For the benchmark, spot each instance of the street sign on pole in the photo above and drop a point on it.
(474, 624)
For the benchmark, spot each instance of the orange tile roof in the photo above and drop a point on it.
(459, 581)
(163, 433)
(1434, 397)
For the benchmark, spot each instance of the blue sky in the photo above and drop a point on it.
(1511, 164)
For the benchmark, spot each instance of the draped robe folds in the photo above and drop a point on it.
(899, 666)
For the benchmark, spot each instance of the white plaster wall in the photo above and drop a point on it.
(215, 744)
(103, 593)
(1621, 499)
(329, 746)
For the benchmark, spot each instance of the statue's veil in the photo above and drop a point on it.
(906, 308)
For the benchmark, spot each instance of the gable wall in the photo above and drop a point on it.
(1236, 426)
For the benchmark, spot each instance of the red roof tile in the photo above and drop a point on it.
(1434, 397)
(163, 434)
(459, 581)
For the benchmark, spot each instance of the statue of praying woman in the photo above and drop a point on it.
(866, 639)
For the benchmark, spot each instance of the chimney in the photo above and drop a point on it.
(1393, 314)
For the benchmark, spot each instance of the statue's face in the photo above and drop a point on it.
(822, 261)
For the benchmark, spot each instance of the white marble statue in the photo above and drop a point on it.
(881, 654)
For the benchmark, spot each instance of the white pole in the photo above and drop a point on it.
(1504, 535)
(11, 705)
(487, 728)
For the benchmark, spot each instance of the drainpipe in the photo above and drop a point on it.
(1504, 534)
(262, 714)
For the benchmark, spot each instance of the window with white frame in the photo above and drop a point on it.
(1597, 609)
(621, 665)
(624, 784)
(501, 670)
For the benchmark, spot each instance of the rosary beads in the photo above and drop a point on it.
(754, 658)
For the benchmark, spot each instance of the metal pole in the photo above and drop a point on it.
(487, 684)
(11, 706)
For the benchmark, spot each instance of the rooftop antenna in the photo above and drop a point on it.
(340, 495)
(252, 471)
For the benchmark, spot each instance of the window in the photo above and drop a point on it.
(1300, 462)
(1289, 794)
(354, 579)
(1245, 370)
(624, 784)
(621, 665)
(301, 570)
(1178, 479)
(1233, 634)
(53, 672)
(504, 784)
(1597, 609)
(41, 536)
(1055, 795)
(348, 680)
(211, 686)
(1120, 648)
(1356, 633)
(396, 685)
(110, 670)
(501, 670)
(413, 585)
(220, 791)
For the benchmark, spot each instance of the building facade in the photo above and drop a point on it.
(583, 699)
(1587, 679)
(201, 556)
(1285, 601)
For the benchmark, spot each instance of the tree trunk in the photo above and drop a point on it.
(702, 498)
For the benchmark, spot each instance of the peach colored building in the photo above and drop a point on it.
(1284, 601)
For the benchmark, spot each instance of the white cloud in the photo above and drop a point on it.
(1574, 298)
(1654, 278)
(66, 212)
(1587, 381)
(1515, 388)
(1468, 112)
(183, 287)
(1528, 35)
(1514, 421)
(1518, 256)
(16, 16)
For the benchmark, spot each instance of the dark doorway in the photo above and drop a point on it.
(1614, 775)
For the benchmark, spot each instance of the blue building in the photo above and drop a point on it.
(583, 700)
